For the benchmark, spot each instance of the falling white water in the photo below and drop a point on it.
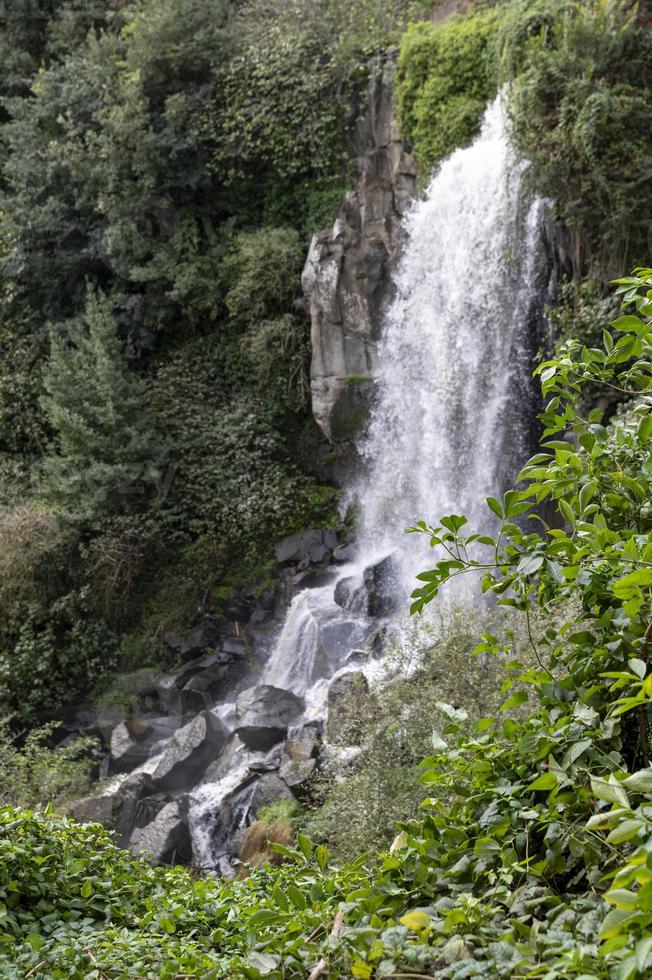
(451, 424)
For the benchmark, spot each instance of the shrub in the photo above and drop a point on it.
(35, 553)
(35, 775)
(447, 74)
(581, 96)
(56, 655)
(357, 809)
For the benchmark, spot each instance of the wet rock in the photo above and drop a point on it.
(299, 756)
(347, 707)
(166, 837)
(345, 589)
(269, 762)
(268, 789)
(92, 809)
(381, 582)
(190, 752)
(264, 714)
(234, 646)
(311, 547)
(344, 553)
(204, 689)
(136, 739)
(204, 636)
(313, 579)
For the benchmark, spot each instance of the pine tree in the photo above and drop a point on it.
(106, 451)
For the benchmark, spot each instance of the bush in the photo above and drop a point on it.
(447, 74)
(261, 273)
(56, 655)
(581, 97)
(357, 809)
(35, 554)
(35, 775)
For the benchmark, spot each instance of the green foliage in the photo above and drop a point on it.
(580, 98)
(579, 90)
(54, 656)
(552, 809)
(35, 558)
(74, 903)
(356, 807)
(447, 74)
(106, 450)
(33, 774)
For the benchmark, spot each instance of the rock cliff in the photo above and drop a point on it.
(346, 277)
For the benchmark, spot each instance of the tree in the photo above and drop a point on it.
(106, 452)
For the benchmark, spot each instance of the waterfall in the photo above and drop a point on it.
(450, 424)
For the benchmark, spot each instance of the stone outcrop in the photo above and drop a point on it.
(346, 277)
(348, 696)
(189, 753)
(264, 714)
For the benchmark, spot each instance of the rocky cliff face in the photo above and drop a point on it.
(346, 277)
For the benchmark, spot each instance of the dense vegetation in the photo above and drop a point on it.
(533, 853)
(163, 164)
(155, 432)
(578, 75)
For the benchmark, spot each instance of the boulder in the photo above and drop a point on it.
(204, 689)
(268, 789)
(381, 582)
(92, 809)
(205, 636)
(190, 752)
(299, 757)
(136, 739)
(347, 707)
(264, 714)
(166, 837)
(344, 553)
(310, 547)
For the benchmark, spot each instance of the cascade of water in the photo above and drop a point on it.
(454, 360)
(449, 425)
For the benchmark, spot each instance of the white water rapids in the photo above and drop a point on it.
(452, 416)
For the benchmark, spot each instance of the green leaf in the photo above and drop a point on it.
(638, 667)
(610, 791)
(640, 782)
(624, 831)
(547, 780)
(645, 428)
(627, 586)
(265, 963)
(628, 324)
(495, 506)
(530, 564)
(305, 844)
(438, 744)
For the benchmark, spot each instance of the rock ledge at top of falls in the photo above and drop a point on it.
(346, 277)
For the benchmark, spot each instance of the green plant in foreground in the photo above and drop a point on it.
(555, 809)
(533, 857)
